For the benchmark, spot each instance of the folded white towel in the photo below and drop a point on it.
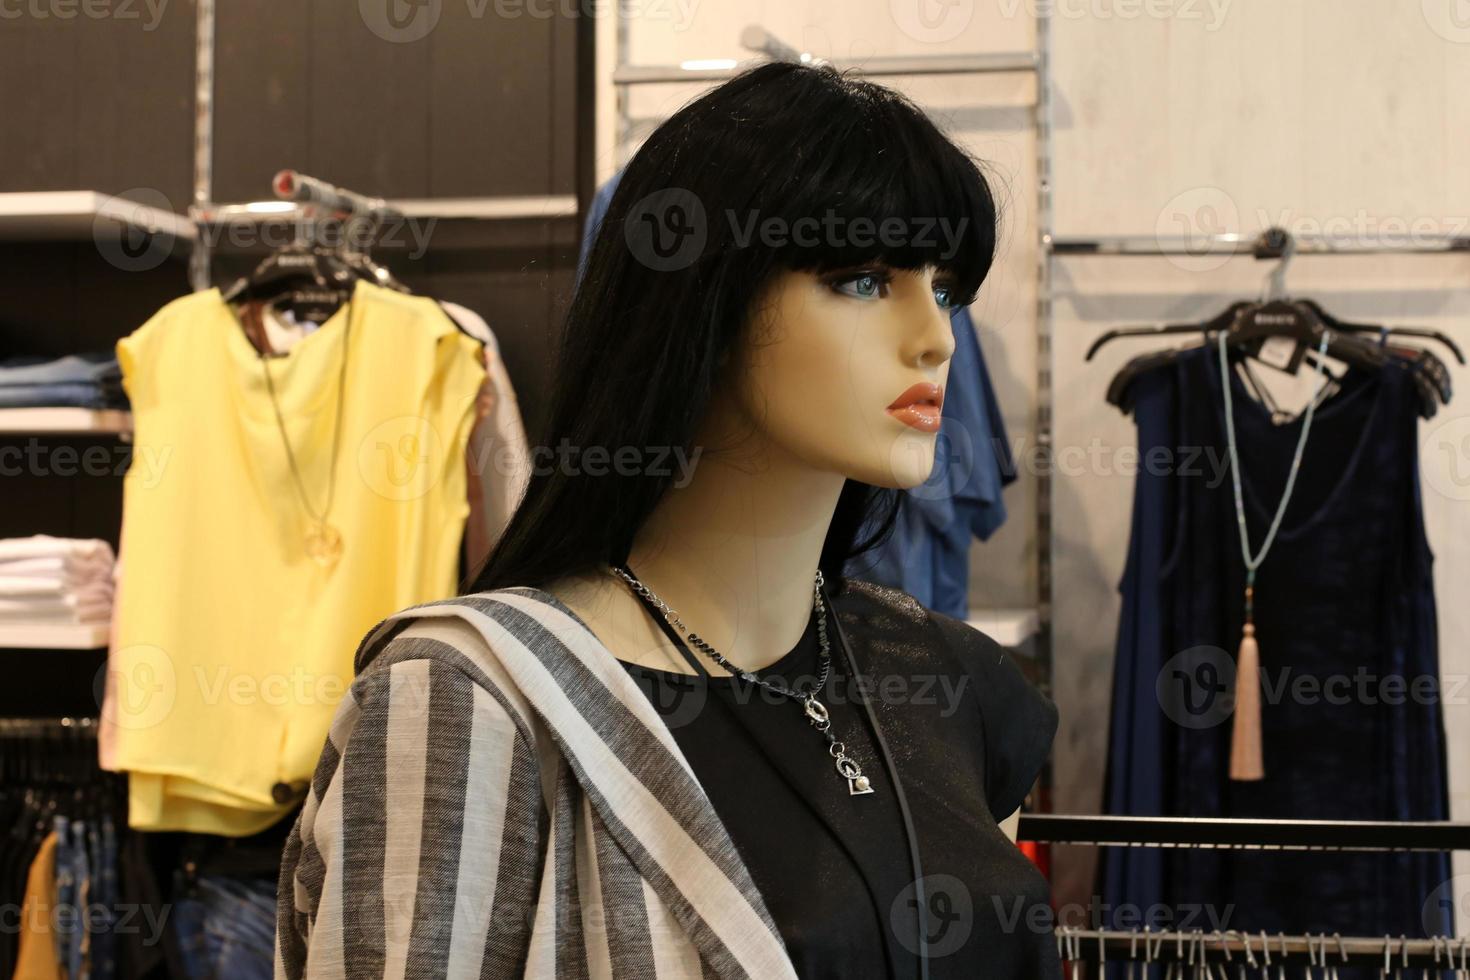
(71, 569)
(21, 588)
(46, 546)
(81, 615)
(48, 605)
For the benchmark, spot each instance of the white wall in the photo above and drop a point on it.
(1170, 116)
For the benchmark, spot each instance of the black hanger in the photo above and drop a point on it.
(1419, 332)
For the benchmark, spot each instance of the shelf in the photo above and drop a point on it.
(51, 636)
(63, 421)
(561, 206)
(1008, 627)
(62, 215)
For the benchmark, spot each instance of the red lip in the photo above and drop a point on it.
(919, 406)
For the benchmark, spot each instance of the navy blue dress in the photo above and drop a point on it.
(1345, 618)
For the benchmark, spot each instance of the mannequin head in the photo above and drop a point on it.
(778, 264)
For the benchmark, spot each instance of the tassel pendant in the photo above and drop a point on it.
(1246, 762)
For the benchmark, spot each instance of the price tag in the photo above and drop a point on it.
(1281, 353)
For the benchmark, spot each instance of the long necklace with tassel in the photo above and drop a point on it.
(1247, 762)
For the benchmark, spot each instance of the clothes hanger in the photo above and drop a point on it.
(1275, 317)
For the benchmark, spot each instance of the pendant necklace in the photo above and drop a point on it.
(1246, 756)
(816, 712)
(323, 542)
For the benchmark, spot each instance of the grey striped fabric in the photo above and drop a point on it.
(496, 798)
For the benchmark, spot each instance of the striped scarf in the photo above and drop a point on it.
(497, 798)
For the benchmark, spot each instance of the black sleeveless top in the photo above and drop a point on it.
(968, 735)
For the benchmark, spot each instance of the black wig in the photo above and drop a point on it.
(683, 252)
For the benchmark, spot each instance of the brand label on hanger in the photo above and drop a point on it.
(1281, 353)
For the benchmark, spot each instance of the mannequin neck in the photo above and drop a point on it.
(735, 551)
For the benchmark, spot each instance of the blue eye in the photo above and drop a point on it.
(944, 296)
(865, 286)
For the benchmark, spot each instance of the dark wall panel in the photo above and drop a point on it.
(101, 103)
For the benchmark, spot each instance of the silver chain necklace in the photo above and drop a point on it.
(816, 712)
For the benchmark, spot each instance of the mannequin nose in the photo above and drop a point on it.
(933, 343)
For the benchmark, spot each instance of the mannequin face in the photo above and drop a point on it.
(830, 354)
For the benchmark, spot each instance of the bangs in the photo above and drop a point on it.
(882, 186)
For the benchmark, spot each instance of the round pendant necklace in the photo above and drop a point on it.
(323, 542)
(816, 712)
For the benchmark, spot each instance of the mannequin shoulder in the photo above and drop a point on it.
(888, 621)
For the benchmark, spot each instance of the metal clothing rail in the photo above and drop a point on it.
(1238, 244)
(1211, 833)
(1244, 951)
(13, 728)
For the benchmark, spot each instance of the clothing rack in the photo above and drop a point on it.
(1234, 950)
(1297, 835)
(1236, 244)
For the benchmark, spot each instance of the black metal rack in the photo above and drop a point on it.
(1237, 950)
(1303, 835)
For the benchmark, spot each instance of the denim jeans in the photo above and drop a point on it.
(63, 918)
(75, 892)
(104, 943)
(226, 927)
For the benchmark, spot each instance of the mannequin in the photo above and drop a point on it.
(769, 294)
(802, 410)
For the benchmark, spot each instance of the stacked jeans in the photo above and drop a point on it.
(90, 380)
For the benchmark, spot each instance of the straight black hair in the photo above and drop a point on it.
(784, 167)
